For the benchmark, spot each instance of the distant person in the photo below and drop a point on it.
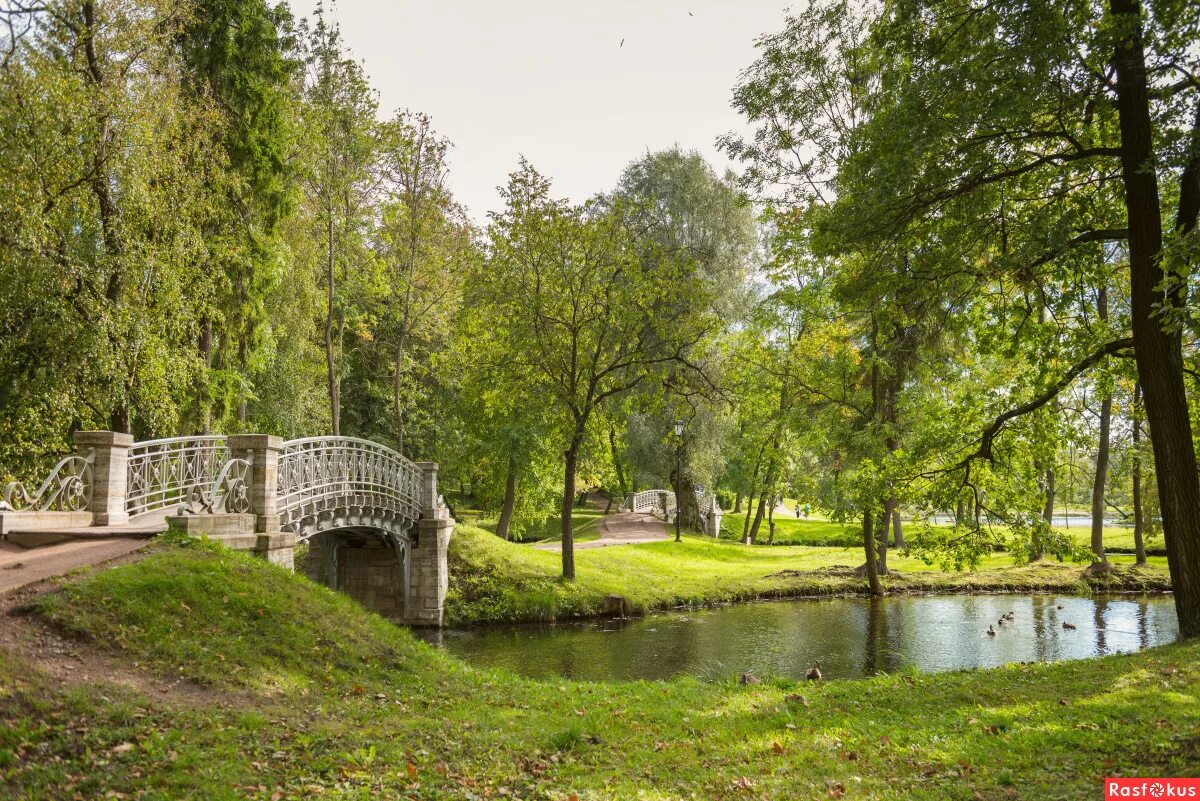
(797, 510)
(807, 510)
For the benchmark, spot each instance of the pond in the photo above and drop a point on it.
(850, 637)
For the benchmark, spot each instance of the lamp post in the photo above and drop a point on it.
(678, 477)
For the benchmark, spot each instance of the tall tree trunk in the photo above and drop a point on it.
(570, 462)
(750, 499)
(872, 566)
(768, 492)
(771, 523)
(510, 500)
(1158, 351)
(737, 503)
(243, 370)
(1139, 514)
(205, 347)
(617, 466)
(752, 539)
(1098, 484)
(889, 506)
(1101, 456)
(398, 395)
(335, 395)
(689, 507)
(898, 526)
(1051, 490)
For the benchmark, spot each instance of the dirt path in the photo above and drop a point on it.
(626, 528)
(21, 567)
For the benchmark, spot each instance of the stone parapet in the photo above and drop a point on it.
(42, 521)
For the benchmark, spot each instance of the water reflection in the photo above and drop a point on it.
(850, 637)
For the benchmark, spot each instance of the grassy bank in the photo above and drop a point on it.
(496, 581)
(215, 676)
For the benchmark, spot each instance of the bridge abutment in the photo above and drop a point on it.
(430, 571)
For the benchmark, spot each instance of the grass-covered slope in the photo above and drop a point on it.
(496, 581)
(304, 695)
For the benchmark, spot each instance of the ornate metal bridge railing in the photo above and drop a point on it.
(68, 488)
(657, 500)
(169, 472)
(325, 474)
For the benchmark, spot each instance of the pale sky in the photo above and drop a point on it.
(551, 80)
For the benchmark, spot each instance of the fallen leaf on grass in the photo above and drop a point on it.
(743, 783)
(776, 747)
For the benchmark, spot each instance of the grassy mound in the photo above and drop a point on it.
(366, 712)
(217, 617)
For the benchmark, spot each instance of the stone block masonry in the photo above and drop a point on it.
(430, 569)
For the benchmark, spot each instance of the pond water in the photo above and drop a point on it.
(850, 637)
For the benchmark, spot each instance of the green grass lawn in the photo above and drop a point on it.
(285, 690)
(790, 530)
(496, 581)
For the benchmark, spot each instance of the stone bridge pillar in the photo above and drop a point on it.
(262, 452)
(110, 473)
(429, 572)
(712, 523)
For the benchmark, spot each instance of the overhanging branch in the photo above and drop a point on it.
(988, 437)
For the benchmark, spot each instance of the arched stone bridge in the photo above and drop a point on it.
(373, 521)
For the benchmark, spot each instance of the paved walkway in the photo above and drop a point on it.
(626, 528)
(20, 567)
(35, 555)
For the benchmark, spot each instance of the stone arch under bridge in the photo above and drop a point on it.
(372, 520)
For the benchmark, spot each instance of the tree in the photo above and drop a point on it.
(571, 298)
(703, 224)
(426, 244)
(237, 53)
(104, 195)
(997, 138)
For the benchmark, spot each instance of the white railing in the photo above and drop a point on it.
(657, 500)
(68, 488)
(169, 472)
(320, 474)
